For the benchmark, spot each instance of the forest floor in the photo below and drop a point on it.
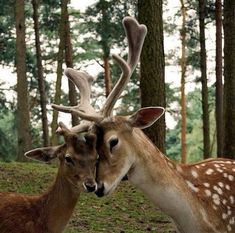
(125, 211)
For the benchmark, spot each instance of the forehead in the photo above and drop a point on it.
(113, 123)
(79, 145)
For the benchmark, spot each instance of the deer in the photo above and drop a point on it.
(51, 211)
(199, 197)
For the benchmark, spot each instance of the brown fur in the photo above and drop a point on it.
(200, 197)
(50, 212)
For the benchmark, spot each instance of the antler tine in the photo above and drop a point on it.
(84, 110)
(135, 36)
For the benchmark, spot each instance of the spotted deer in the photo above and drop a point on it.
(50, 211)
(200, 198)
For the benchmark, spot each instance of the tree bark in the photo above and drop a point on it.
(229, 80)
(183, 73)
(219, 82)
(203, 63)
(69, 63)
(107, 78)
(23, 119)
(41, 84)
(152, 78)
(59, 72)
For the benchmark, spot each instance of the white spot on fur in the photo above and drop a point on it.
(194, 174)
(206, 185)
(231, 199)
(221, 184)
(227, 187)
(229, 228)
(219, 170)
(218, 189)
(209, 171)
(224, 216)
(216, 199)
(231, 178)
(231, 221)
(191, 186)
(208, 192)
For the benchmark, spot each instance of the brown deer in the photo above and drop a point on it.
(50, 211)
(200, 198)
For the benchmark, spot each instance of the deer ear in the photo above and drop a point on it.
(145, 117)
(44, 154)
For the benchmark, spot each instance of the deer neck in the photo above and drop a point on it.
(152, 172)
(59, 203)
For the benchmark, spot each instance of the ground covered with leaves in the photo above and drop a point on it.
(125, 211)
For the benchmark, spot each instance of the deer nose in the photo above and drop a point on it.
(90, 186)
(100, 190)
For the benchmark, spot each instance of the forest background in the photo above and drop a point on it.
(189, 75)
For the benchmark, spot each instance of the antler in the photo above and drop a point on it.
(135, 36)
(83, 82)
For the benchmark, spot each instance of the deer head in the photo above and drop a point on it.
(114, 133)
(77, 158)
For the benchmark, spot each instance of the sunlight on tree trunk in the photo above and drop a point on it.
(219, 82)
(69, 63)
(23, 120)
(59, 72)
(183, 73)
(152, 74)
(203, 63)
(41, 84)
(107, 78)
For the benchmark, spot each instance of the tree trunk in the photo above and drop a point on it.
(205, 107)
(23, 119)
(41, 85)
(229, 80)
(219, 83)
(69, 63)
(152, 79)
(59, 72)
(183, 73)
(107, 78)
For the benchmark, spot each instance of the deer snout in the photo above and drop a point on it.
(100, 190)
(90, 185)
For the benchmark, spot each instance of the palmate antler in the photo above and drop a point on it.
(135, 36)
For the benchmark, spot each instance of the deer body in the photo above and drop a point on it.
(185, 192)
(200, 198)
(50, 211)
(46, 213)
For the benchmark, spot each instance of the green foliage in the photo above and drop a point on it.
(194, 135)
(8, 140)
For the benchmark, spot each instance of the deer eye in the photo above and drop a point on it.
(112, 143)
(69, 160)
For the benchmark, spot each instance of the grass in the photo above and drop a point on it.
(125, 211)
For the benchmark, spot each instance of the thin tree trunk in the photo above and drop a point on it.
(183, 73)
(69, 63)
(219, 83)
(152, 77)
(41, 85)
(23, 119)
(229, 80)
(107, 78)
(205, 106)
(59, 72)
